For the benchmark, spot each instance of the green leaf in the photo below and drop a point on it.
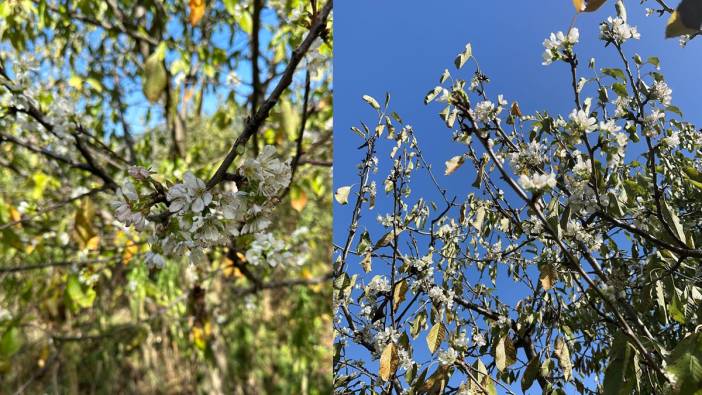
(614, 73)
(230, 6)
(155, 78)
(620, 89)
(245, 22)
(420, 321)
(676, 308)
(685, 365)
(530, 373)
(620, 375)
(75, 292)
(10, 342)
(672, 219)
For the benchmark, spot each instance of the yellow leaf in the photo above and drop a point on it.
(436, 336)
(129, 251)
(505, 353)
(197, 11)
(15, 215)
(400, 292)
(298, 200)
(547, 276)
(155, 78)
(687, 19)
(515, 110)
(229, 269)
(93, 243)
(83, 230)
(453, 164)
(587, 6)
(342, 195)
(436, 383)
(388, 361)
(367, 262)
(676, 27)
(563, 355)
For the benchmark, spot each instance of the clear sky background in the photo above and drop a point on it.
(402, 46)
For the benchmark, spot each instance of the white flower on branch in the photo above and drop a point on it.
(583, 121)
(377, 285)
(266, 249)
(448, 357)
(618, 31)
(538, 182)
(271, 174)
(557, 41)
(485, 111)
(192, 193)
(661, 92)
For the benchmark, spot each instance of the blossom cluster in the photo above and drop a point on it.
(198, 217)
(266, 248)
(558, 45)
(616, 30)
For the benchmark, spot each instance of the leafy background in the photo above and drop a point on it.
(80, 311)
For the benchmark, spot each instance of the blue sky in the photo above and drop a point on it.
(403, 46)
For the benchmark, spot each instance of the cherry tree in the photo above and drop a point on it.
(165, 178)
(590, 218)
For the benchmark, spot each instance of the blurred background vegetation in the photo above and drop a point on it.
(80, 311)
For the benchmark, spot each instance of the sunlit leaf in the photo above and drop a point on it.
(388, 361)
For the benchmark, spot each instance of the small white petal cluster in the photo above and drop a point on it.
(266, 249)
(557, 42)
(538, 182)
(671, 141)
(377, 285)
(406, 360)
(609, 126)
(384, 337)
(199, 217)
(438, 296)
(583, 121)
(661, 91)
(461, 341)
(532, 156)
(479, 339)
(190, 195)
(448, 357)
(485, 111)
(618, 31)
(582, 168)
(125, 207)
(577, 232)
(651, 122)
(270, 173)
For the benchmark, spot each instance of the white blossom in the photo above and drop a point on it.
(617, 30)
(583, 121)
(266, 249)
(538, 182)
(377, 285)
(485, 111)
(672, 141)
(448, 357)
(661, 92)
